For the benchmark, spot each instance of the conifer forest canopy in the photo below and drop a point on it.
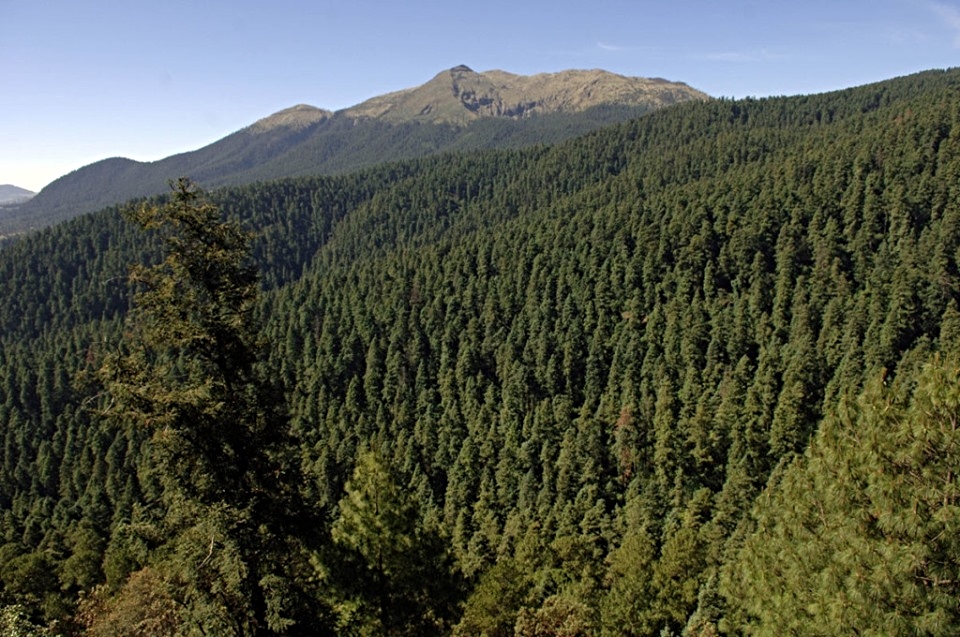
(694, 374)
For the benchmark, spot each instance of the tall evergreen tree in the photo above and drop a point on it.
(227, 524)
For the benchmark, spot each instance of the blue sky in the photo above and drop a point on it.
(83, 80)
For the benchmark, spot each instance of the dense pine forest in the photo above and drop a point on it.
(695, 374)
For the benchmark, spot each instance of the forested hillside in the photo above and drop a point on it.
(458, 110)
(695, 374)
(330, 146)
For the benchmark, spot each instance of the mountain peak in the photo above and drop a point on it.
(13, 194)
(295, 117)
(460, 95)
(304, 139)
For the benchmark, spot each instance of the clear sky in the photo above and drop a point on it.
(83, 80)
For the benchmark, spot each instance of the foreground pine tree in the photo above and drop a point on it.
(224, 523)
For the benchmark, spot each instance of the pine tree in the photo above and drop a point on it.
(399, 576)
(858, 536)
(226, 529)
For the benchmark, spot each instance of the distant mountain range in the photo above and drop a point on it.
(459, 109)
(13, 194)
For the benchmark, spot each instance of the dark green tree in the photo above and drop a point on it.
(403, 580)
(625, 609)
(858, 535)
(497, 598)
(227, 523)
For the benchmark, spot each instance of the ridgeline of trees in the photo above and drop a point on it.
(337, 145)
(696, 374)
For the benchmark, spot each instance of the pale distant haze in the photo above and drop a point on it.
(84, 80)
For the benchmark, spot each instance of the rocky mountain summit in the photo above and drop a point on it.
(460, 95)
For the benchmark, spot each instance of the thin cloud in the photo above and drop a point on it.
(740, 57)
(950, 17)
(607, 47)
(907, 36)
(614, 48)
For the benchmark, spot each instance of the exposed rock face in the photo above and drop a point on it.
(460, 95)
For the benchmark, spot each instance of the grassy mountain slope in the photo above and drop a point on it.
(461, 95)
(458, 109)
(586, 361)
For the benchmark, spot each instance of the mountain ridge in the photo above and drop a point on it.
(496, 93)
(10, 194)
(458, 109)
(298, 116)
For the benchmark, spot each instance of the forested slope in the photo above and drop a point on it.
(335, 145)
(582, 364)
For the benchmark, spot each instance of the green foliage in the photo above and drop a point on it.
(858, 535)
(219, 447)
(558, 617)
(15, 622)
(404, 581)
(583, 363)
(631, 594)
(496, 600)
